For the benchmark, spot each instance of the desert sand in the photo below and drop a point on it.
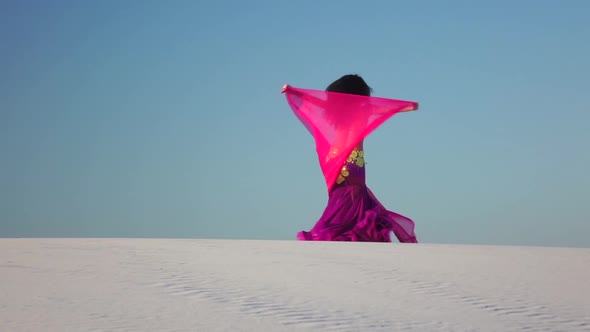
(243, 285)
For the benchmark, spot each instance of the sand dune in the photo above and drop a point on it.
(230, 285)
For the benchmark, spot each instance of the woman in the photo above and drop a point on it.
(340, 119)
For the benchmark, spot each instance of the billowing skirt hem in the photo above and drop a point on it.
(353, 213)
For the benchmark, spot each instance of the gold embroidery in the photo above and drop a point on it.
(344, 172)
(360, 160)
(356, 157)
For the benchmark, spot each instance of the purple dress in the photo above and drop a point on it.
(353, 213)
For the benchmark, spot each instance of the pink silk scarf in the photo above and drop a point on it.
(339, 122)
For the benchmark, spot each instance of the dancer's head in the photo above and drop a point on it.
(351, 84)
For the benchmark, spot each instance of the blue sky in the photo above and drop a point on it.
(165, 119)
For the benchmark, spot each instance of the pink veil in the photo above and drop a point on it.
(338, 122)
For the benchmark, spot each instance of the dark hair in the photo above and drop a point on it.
(351, 84)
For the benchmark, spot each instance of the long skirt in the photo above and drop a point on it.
(353, 213)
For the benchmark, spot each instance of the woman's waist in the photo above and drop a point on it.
(351, 175)
(351, 180)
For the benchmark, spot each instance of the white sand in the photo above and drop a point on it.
(218, 285)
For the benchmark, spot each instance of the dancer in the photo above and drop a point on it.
(340, 118)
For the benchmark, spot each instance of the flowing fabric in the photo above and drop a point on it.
(353, 213)
(338, 123)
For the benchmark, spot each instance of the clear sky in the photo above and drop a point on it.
(165, 118)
